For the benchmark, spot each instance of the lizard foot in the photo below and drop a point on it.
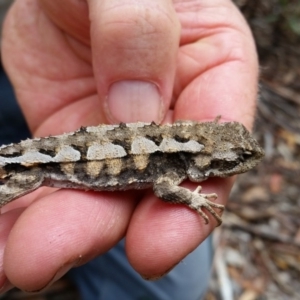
(199, 201)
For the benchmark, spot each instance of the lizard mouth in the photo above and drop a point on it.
(3, 181)
(4, 177)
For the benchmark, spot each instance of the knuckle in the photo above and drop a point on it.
(131, 23)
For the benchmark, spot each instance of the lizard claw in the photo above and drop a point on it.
(199, 201)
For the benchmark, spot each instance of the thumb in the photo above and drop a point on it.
(134, 48)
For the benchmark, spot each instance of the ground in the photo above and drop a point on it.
(258, 245)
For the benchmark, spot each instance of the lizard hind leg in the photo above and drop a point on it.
(172, 193)
(18, 184)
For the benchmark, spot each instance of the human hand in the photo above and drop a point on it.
(80, 63)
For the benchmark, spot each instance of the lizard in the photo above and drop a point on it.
(132, 156)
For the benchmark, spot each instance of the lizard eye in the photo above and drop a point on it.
(242, 154)
(223, 164)
(245, 155)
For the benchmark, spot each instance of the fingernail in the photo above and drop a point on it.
(158, 276)
(152, 278)
(60, 273)
(6, 287)
(133, 101)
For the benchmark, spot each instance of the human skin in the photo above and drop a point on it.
(77, 63)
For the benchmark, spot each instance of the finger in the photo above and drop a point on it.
(160, 234)
(65, 229)
(6, 223)
(134, 46)
(71, 16)
(47, 69)
(218, 70)
(209, 82)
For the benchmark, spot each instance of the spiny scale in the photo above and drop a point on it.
(126, 156)
(99, 142)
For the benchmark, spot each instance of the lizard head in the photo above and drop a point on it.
(230, 150)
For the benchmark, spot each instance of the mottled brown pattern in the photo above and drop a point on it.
(137, 155)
